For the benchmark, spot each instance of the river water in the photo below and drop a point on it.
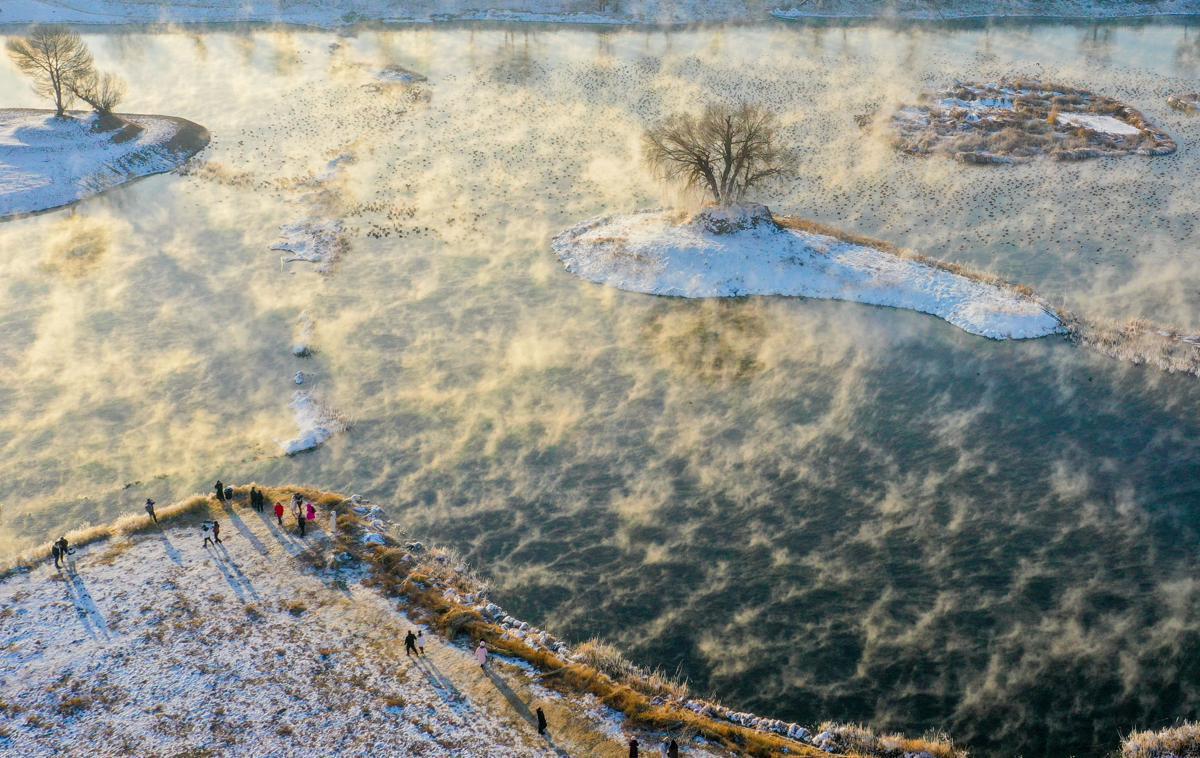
(810, 509)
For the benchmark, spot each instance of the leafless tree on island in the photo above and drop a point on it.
(103, 92)
(56, 58)
(724, 151)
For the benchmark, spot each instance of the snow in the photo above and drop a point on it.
(645, 252)
(157, 645)
(319, 242)
(1099, 123)
(316, 421)
(47, 162)
(334, 13)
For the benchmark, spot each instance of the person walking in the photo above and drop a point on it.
(421, 641)
(220, 488)
(633, 747)
(672, 749)
(310, 511)
(333, 522)
(279, 512)
(150, 510)
(300, 521)
(541, 717)
(229, 494)
(206, 527)
(481, 655)
(56, 553)
(217, 531)
(410, 644)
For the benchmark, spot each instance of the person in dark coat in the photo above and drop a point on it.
(300, 521)
(229, 494)
(57, 554)
(150, 509)
(541, 721)
(410, 644)
(633, 747)
(673, 749)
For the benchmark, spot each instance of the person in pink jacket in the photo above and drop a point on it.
(481, 655)
(310, 511)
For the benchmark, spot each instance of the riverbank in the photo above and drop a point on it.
(48, 162)
(627, 12)
(156, 642)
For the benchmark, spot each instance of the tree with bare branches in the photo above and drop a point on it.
(724, 151)
(55, 58)
(101, 91)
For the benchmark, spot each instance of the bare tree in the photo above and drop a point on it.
(724, 151)
(55, 58)
(101, 91)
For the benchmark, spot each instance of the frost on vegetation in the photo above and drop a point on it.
(1182, 741)
(1018, 120)
(321, 243)
(316, 421)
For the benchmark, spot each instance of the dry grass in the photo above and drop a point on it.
(1139, 342)
(133, 523)
(814, 227)
(1181, 741)
(857, 740)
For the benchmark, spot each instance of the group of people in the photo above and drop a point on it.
(305, 511)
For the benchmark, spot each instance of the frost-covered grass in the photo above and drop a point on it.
(652, 252)
(47, 162)
(858, 740)
(1182, 741)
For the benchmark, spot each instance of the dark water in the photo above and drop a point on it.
(810, 509)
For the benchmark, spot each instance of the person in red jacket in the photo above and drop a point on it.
(279, 512)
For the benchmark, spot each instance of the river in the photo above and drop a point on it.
(811, 509)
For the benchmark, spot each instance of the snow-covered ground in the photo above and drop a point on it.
(158, 645)
(329, 13)
(647, 252)
(47, 162)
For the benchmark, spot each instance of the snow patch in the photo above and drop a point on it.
(645, 252)
(1099, 123)
(317, 423)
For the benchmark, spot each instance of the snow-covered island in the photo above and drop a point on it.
(746, 251)
(48, 162)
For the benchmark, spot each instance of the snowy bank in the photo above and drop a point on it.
(48, 162)
(649, 252)
(324, 13)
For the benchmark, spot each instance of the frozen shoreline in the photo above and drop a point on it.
(48, 163)
(646, 252)
(323, 13)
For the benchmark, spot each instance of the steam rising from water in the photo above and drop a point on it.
(818, 509)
